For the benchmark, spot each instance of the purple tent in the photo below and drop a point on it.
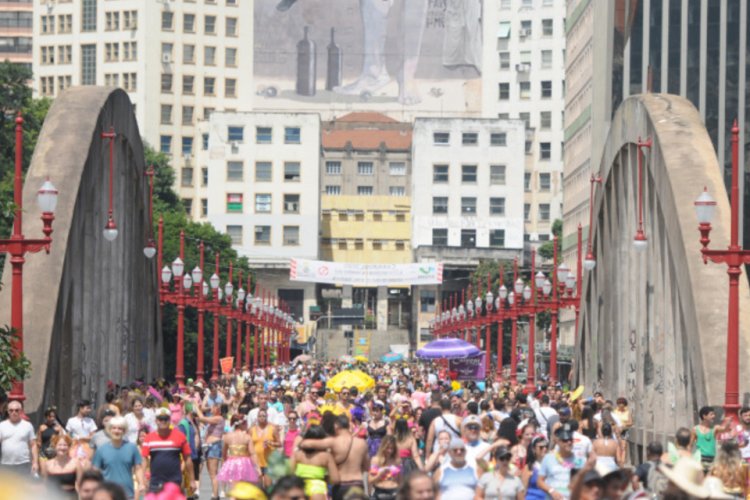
(448, 349)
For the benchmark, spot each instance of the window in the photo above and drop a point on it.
(262, 235)
(130, 82)
(547, 27)
(527, 181)
(48, 55)
(365, 168)
(188, 23)
(291, 235)
(397, 191)
(546, 89)
(231, 26)
(333, 190)
(524, 90)
(88, 62)
(209, 83)
(504, 60)
(439, 174)
(230, 87)
(527, 211)
(111, 21)
(333, 168)
(263, 203)
(468, 238)
(204, 176)
(544, 181)
(468, 174)
(291, 203)
(65, 23)
(88, 15)
(427, 300)
(235, 133)
(167, 20)
(230, 57)
(165, 143)
(209, 56)
(291, 135)
(545, 150)
(544, 211)
(65, 82)
(441, 138)
(235, 233)
(503, 30)
(545, 120)
(204, 207)
(439, 237)
(187, 115)
(263, 135)
(397, 168)
(48, 24)
(497, 206)
(188, 54)
(503, 91)
(263, 171)
(291, 171)
(468, 205)
(526, 118)
(546, 59)
(439, 204)
(166, 51)
(497, 175)
(186, 177)
(130, 19)
(364, 190)
(166, 83)
(187, 84)
(166, 114)
(234, 203)
(207, 112)
(130, 51)
(498, 139)
(187, 204)
(47, 85)
(497, 238)
(469, 138)
(209, 25)
(234, 171)
(525, 28)
(112, 80)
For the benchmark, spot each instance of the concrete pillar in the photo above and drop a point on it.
(346, 297)
(382, 308)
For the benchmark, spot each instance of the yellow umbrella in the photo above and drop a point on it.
(351, 378)
(361, 359)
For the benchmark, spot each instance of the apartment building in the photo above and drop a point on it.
(259, 184)
(16, 18)
(467, 199)
(524, 78)
(179, 61)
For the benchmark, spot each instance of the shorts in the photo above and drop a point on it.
(340, 490)
(214, 450)
(384, 493)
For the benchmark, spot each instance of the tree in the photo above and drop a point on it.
(12, 367)
(546, 250)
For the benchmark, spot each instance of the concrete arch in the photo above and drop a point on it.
(653, 325)
(91, 309)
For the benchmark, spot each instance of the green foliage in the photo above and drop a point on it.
(546, 250)
(12, 367)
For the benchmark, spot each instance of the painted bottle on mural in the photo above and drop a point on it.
(335, 63)
(306, 65)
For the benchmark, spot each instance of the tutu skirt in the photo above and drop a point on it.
(238, 469)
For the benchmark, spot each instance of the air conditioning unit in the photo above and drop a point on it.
(166, 58)
(234, 145)
(523, 67)
(188, 158)
(258, 230)
(524, 32)
(290, 207)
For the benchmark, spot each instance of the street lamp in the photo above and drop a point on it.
(110, 229)
(18, 245)
(150, 249)
(734, 257)
(589, 262)
(639, 241)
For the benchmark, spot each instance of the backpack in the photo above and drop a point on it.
(656, 482)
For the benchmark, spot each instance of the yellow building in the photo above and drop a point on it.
(366, 229)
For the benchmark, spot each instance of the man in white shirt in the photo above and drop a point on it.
(273, 415)
(18, 450)
(544, 413)
(82, 426)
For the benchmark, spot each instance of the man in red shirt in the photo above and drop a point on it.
(163, 450)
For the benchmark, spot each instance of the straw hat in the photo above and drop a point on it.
(576, 393)
(687, 475)
(715, 488)
(247, 491)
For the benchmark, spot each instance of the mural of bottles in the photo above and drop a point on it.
(335, 63)
(306, 65)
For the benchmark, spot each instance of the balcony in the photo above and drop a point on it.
(463, 257)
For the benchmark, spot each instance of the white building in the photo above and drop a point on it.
(523, 73)
(179, 60)
(260, 184)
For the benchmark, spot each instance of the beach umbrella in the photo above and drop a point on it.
(448, 349)
(351, 378)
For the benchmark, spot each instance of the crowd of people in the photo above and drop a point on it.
(404, 432)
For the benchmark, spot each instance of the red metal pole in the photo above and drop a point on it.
(201, 307)
(228, 301)
(514, 327)
(488, 327)
(240, 316)
(256, 328)
(217, 315)
(579, 278)
(17, 260)
(530, 368)
(263, 333)
(248, 323)
(555, 307)
(500, 320)
(180, 369)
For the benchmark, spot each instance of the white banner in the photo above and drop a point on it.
(341, 273)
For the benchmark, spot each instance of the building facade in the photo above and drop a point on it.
(467, 200)
(524, 79)
(259, 184)
(16, 19)
(179, 60)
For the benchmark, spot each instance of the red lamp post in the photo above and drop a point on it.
(177, 296)
(200, 303)
(110, 229)
(734, 256)
(216, 309)
(18, 246)
(639, 241)
(590, 262)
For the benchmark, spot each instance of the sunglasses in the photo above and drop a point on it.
(459, 450)
(14, 410)
(344, 393)
(162, 419)
(505, 458)
(566, 440)
(473, 427)
(542, 446)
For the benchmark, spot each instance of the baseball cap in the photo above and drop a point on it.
(471, 419)
(162, 412)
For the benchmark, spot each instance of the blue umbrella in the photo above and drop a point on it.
(392, 357)
(448, 349)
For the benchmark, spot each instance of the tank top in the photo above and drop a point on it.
(444, 423)
(705, 443)
(215, 430)
(289, 442)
